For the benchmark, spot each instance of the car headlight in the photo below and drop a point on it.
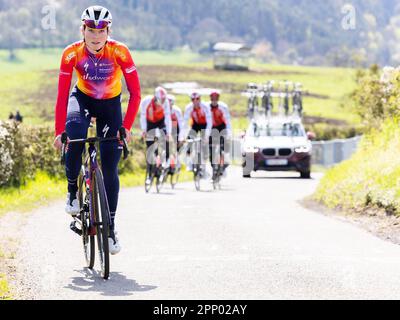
(302, 149)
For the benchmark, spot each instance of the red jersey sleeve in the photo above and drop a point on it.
(124, 59)
(68, 61)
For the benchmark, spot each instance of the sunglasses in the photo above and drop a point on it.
(196, 99)
(92, 24)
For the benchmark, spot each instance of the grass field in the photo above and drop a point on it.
(30, 83)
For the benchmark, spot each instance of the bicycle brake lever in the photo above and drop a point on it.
(122, 135)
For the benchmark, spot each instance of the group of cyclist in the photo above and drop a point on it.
(161, 119)
(99, 63)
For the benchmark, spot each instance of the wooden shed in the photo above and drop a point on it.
(231, 56)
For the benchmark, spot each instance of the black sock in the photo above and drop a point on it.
(112, 225)
(72, 189)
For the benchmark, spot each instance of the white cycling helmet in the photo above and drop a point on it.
(160, 94)
(96, 17)
(171, 99)
(195, 95)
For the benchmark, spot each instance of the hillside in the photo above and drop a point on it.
(305, 32)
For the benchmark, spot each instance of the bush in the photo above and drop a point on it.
(324, 131)
(370, 177)
(6, 151)
(377, 95)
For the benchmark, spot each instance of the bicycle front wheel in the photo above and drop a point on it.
(148, 180)
(87, 240)
(102, 222)
(197, 177)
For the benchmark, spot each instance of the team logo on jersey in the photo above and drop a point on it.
(120, 53)
(69, 57)
(86, 66)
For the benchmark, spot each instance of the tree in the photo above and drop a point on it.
(15, 29)
(263, 51)
(205, 33)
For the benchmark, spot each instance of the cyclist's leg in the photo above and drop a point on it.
(149, 159)
(77, 124)
(174, 145)
(220, 141)
(191, 152)
(212, 147)
(109, 120)
(165, 144)
(225, 147)
(203, 147)
(151, 145)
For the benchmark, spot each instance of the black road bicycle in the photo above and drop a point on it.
(218, 171)
(94, 215)
(155, 169)
(197, 161)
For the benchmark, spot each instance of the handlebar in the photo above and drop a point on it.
(92, 140)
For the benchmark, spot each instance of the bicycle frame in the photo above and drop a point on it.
(88, 169)
(90, 161)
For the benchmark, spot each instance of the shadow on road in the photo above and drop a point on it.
(117, 285)
(281, 178)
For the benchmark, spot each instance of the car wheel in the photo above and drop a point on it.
(246, 175)
(305, 175)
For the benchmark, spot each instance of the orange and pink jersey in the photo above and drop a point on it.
(99, 76)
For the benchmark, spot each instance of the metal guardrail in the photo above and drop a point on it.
(328, 153)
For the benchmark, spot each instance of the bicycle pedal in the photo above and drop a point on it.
(74, 228)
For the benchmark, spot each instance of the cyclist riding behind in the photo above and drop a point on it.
(177, 126)
(197, 119)
(221, 128)
(155, 118)
(99, 63)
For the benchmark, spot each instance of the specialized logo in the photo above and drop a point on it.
(93, 155)
(86, 112)
(105, 130)
(86, 66)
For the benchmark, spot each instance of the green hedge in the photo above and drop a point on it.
(30, 149)
(325, 131)
(371, 177)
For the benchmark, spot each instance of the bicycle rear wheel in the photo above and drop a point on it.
(102, 222)
(87, 240)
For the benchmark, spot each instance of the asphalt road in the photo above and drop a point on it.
(250, 240)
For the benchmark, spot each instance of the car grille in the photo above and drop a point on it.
(285, 152)
(268, 152)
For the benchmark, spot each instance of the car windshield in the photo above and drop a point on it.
(277, 130)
